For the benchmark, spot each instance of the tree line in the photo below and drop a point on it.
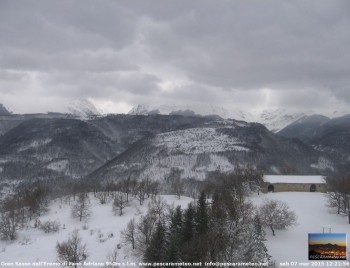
(338, 194)
(221, 226)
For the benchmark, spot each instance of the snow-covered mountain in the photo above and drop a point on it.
(83, 108)
(53, 148)
(277, 119)
(273, 119)
(331, 136)
(304, 128)
(161, 109)
(193, 151)
(47, 145)
(3, 110)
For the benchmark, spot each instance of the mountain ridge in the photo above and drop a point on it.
(273, 119)
(222, 145)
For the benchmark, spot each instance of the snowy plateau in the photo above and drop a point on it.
(289, 245)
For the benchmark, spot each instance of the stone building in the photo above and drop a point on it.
(288, 183)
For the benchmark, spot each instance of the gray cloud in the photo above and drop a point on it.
(228, 53)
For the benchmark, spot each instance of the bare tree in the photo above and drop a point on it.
(144, 232)
(339, 194)
(158, 207)
(50, 226)
(72, 251)
(128, 235)
(147, 187)
(82, 207)
(125, 186)
(276, 215)
(120, 202)
(102, 197)
(112, 258)
(154, 188)
(335, 200)
(140, 192)
(177, 187)
(9, 224)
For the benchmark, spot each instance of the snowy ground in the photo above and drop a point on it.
(287, 246)
(292, 245)
(34, 245)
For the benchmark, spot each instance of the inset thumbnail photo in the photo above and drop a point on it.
(327, 246)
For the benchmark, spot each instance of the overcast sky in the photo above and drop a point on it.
(242, 54)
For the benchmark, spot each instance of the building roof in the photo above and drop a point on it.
(294, 179)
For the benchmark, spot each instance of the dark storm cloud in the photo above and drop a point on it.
(271, 53)
(85, 60)
(257, 44)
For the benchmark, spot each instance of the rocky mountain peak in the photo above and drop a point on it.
(3, 110)
(83, 108)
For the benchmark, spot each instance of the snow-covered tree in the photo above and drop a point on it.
(128, 235)
(82, 207)
(112, 257)
(339, 194)
(276, 215)
(120, 202)
(73, 250)
(140, 191)
(102, 197)
(125, 186)
(9, 224)
(158, 207)
(256, 250)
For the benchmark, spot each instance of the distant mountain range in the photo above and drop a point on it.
(274, 119)
(194, 150)
(167, 142)
(327, 252)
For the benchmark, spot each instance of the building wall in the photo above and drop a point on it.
(294, 187)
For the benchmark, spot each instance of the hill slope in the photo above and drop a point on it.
(52, 148)
(329, 136)
(219, 145)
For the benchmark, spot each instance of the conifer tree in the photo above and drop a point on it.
(190, 247)
(200, 240)
(202, 215)
(256, 250)
(156, 251)
(189, 223)
(217, 237)
(175, 231)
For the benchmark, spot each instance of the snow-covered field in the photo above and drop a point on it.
(290, 245)
(34, 245)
